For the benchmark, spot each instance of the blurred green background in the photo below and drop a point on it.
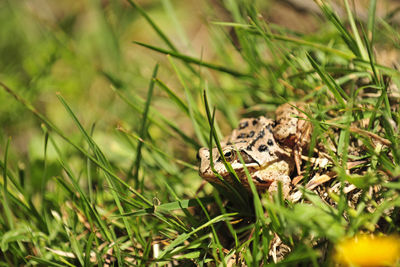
(66, 47)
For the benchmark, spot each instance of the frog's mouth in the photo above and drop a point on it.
(248, 159)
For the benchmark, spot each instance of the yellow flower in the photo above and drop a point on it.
(369, 250)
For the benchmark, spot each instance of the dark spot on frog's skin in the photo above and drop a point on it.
(262, 148)
(268, 127)
(270, 142)
(259, 136)
(243, 125)
(248, 148)
(242, 135)
(251, 134)
(255, 121)
(258, 179)
(219, 159)
(274, 124)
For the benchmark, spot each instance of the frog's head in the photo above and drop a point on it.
(231, 153)
(252, 140)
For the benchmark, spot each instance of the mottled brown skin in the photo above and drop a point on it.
(293, 130)
(264, 158)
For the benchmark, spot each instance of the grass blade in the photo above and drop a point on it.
(6, 207)
(289, 39)
(179, 102)
(142, 131)
(154, 113)
(196, 61)
(239, 192)
(45, 262)
(358, 41)
(169, 207)
(88, 248)
(170, 10)
(193, 112)
(153, 147)
(346, 36)
(153, 25)
(336, 90)
(371, 20)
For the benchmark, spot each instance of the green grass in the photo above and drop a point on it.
(100, 132)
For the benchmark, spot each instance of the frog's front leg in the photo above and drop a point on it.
(293, 130)
(285, 182)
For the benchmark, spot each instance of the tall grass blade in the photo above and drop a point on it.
(153, 25)
(238, 190)
(191, 105)
(45, 262)
(179, 102)
(336, 90)
(92, 236)
(196, 61)
(155, 148)
(44, 176)
(142, 132)
(348, 55)
(154, 113)
(371, 20)
(6, 206)
(170, 10)
(358, 41)
(346, 36)
(344, 137)
(169, 207)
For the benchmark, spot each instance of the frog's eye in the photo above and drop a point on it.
(228, 155)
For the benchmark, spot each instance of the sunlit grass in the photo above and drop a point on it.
(105, 169)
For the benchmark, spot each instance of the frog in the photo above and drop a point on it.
(267, 162)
